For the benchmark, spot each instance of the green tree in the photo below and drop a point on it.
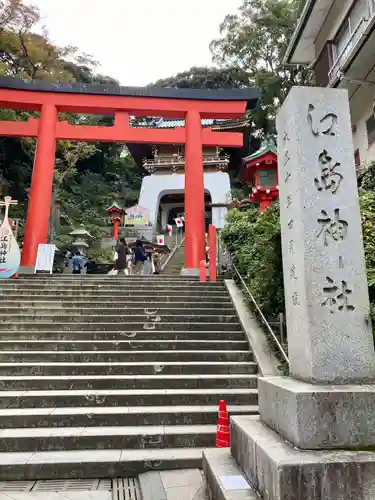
(254, 41)
(206, 78)
(88, 176)
(254, 241)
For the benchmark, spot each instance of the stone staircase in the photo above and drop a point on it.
(177, 262)
(112, 376)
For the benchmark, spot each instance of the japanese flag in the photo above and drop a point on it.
(160, 239)
(170, 229)
(179, 222)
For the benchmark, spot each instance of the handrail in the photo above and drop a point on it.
(283, 353)
(174, 249)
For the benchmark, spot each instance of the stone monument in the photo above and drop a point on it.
(315, 438)
(81, 239)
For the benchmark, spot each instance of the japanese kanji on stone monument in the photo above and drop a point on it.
(315, 428)
(327, 304)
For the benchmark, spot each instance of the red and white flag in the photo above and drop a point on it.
(179, 222)
(170, 229)
(160, 239)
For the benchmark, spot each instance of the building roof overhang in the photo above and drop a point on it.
(250, 95)
(301, 49)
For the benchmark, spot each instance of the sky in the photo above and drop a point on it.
(138, 41)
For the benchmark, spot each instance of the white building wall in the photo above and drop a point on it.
(361, 105)
(155, 186)
(332, 23)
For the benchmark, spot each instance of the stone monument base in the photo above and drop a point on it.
(280, 472)
(313, 416)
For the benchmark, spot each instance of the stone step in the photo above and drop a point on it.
(100, 277)
(117, 415)
(32, 325)
(123, 295)
(148, 315)
(147, 397)
(95, 463)
(93, 336)
(177, 310)
(112, 287)
(124, 355)
(224, 478)
(118, 382)
(121, 368)
(121, 344)
(132, 437)
(140, 304)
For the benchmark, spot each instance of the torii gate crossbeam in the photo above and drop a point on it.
(120, 102)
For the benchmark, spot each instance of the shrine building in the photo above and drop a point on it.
(162, 191)
(260, 172)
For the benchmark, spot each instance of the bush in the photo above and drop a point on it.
(254, 241)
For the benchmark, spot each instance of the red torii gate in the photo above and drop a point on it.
(120, 102)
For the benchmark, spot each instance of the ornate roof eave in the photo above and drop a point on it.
(268, 146)
(216, 125)
(114, 206)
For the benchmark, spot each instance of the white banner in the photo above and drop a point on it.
(45, 258)
(10, 255)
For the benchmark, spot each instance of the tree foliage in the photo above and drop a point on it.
(254, 42)
(254, 241)
(206, 78)
(88, 176)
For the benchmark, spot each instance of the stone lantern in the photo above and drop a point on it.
(261, 173)
(116, 213)
(81, 239)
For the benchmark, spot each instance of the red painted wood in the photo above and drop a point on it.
(120, 133)
(107, 104)
(36, 230)
(194, 193)
(115, 228)
(202, 271)
(212, 251)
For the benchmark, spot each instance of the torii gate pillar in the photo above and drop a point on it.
(194, 193)
(41, 186)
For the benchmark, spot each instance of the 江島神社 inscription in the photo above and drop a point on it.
(327, 305)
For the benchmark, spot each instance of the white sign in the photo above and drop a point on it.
(10, 255)
(45, 258)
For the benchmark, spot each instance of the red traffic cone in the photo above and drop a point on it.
(222, 431)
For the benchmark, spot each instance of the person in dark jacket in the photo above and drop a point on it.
(140, 257)
(123, 251)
